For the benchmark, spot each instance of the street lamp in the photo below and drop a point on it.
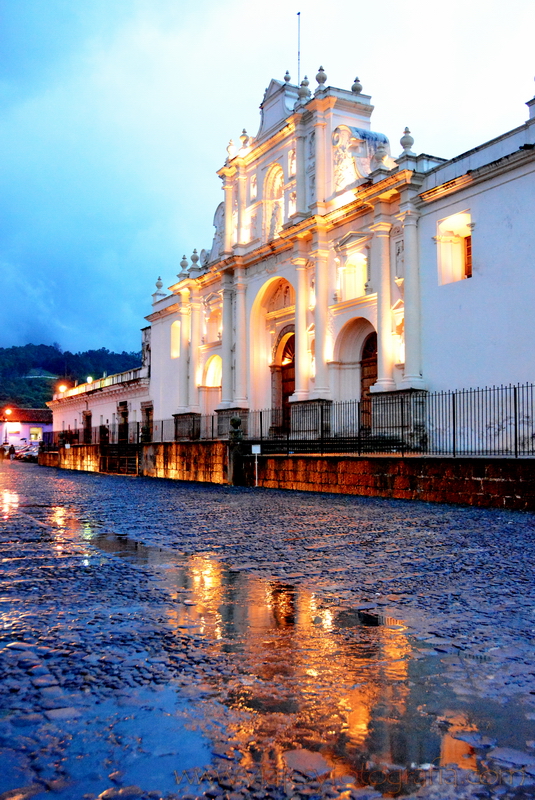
(5, 418)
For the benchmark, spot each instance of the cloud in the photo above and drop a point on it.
(115, 117)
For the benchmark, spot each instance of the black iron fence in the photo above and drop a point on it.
(495, 421)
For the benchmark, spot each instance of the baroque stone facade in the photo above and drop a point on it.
(339, 269)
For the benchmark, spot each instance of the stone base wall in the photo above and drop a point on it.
(48, 459)
(486, 482)
(83, 457)
(206, 462)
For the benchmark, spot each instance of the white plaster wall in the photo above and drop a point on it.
(164, 369)
(478, 331)
(101, 405)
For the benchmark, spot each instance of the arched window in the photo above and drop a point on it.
(213, 371)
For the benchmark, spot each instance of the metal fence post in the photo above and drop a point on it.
(454, 422)
(358, 428)
(402, 425)
(321, 428)
(261, 427)
(515, 400)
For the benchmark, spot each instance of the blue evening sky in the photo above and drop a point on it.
(115, 115)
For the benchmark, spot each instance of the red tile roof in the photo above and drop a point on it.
(43, 415)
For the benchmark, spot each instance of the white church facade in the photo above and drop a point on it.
(339, 269)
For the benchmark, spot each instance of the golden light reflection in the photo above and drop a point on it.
(304, 677)
(59, 516)
(10, 502)
(454, 751)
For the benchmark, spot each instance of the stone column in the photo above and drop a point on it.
(240, 399)
(302, 363)
(228, 188)
(226, 342)
(321, 312)
(242, 202)
(300, 172)
(195, 340)
(381, 264)
(412, 378)
(184, 353)
(319, 156)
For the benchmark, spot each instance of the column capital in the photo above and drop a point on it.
(408, 215)
(381, 228)
(300, 262)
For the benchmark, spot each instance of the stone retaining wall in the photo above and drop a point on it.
(83, 457)
(186, 461)
(486, 482)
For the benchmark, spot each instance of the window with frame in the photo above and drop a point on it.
(454, 248)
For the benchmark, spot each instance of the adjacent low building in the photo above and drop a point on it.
(21, 426)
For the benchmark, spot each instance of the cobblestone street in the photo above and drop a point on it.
(164, 639)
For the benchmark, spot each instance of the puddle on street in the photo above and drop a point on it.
(293, 672)
(351, 683)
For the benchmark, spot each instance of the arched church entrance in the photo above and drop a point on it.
(272, 347)
(368, 376)
(283, 378)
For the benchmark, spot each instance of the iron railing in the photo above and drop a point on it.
(493, 421)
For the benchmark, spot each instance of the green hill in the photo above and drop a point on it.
(29, 374)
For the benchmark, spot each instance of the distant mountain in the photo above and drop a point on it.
(29, 374)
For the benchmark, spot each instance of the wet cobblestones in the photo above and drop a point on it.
(137, 660)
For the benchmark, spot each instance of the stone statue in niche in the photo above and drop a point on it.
(253, 188)
(400, 259)
(312, 145)
(344, 166)
(275, 222)
(292, 204)
(312, 187)
(291, 162)
(253, 226)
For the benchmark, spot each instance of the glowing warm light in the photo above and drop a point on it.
(89, 379)
(58, 517)
(8, 411)
(343, 199)
(62, 388)
(10, 502)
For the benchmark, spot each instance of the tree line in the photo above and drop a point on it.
(17, 364)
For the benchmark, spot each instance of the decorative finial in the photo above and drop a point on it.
(184, 263)
(159, 284)
(380, 155)
(407, 142)
(321, 77)
(357, 87)
(287, 77)
(231, 150)
(304, 92)
(244, 139)
(194, 259)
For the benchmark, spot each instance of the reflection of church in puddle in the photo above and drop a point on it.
(339, 682)
(338, 270)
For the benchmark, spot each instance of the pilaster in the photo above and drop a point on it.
(381, 266)
(240, 398)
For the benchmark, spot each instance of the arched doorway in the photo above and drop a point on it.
(283, 378)
(368, 376)
(287, 379)
(271, 324)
